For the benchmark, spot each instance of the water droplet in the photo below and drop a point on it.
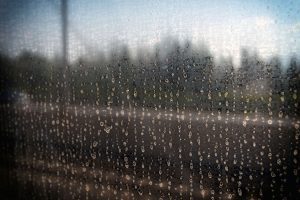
(295, 152)
(95, 143)
(87, 188)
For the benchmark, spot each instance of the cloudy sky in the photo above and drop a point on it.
(271, 27)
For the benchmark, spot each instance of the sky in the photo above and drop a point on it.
(269, 27)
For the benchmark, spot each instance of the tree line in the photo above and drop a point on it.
(173, 76)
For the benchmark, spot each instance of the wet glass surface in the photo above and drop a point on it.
(173, 120)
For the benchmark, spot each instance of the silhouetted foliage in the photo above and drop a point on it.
(156, 79)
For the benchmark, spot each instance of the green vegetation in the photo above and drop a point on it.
(183, 77)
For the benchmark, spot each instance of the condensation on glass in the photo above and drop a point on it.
(171, 123)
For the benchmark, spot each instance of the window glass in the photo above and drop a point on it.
(149, 99)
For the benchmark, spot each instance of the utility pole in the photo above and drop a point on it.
(65, 64)
(64, 23)
(64, 88)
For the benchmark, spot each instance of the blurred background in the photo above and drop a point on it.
(149, 99)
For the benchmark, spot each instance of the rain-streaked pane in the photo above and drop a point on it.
(149, 99)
